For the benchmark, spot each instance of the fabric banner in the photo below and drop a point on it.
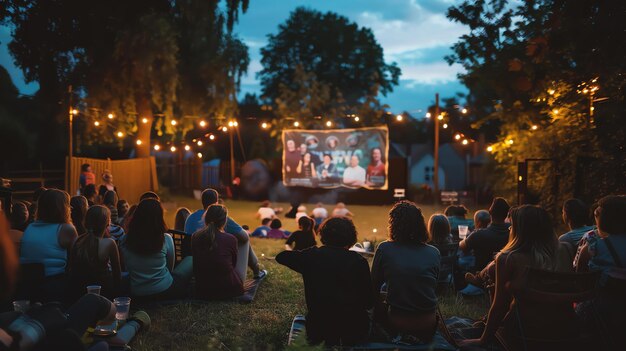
(353, 158)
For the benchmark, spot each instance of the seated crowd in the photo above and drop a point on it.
(73, 240)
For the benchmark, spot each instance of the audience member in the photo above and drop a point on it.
(180, 218)
(341, 211)
(576, 217)
(265, 211)
(109, 200)
(337, 286)
(261, 232)
(128, 217)
(122, 210)
(439, 230)
(486, 242)
(107, 184)
(95, 259)
(533, 244)
(90, 194)
(409, 268)
(9, 263)
(149, 256)
(275, 230)
(303, 238)
(19, 221)
(149, 195)
(482, 219)
(78, 211)
(86, 177)
(245, 253)
(319, 213)
(456, 217)
(215, 258)
(32, 209)
(301, 212)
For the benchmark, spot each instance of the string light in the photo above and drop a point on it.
(139, 142)
(445, 126)
(329, 124)
(510, 141)
(428, 115)
(440, 117)
(74, 112)
(399, 118)
(174, 122)
(489, 148)
(144, 120)
(173, 148)
(230, 123)
(264, 125)
(96, 123)
(212, 137)
(296, 124)
(464, 142)
(534, 127)
(356, 118)
(157, 147)
(464, 111)
(199, 154)
(551, 91)
(110, 116)
(199, 143)
(235, 123)
(224, 129)
(555, 111)
(202, 123)
(187, 147)
(120, 134)
(457, 137)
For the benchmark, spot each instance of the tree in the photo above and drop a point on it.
(322, 64)
(532, 85)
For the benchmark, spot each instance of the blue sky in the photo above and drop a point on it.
(413, 33)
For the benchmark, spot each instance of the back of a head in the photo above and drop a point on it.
(180, 218)
(122, 207)
(532, 233)
(19, 215)
(610, 214)
(89, 191)
(84, 167)
(340, 205)
(406, 223)
(8, 261)
(97, 220)
(209, 197)
(79, 208)
(110, 199)
(216, 215)
(499, 209)
(149, 195)
(438, 228)
(37, 193)
(306, 223)
(266, 221)
(265, 203)
(458, 211)
(276, 223)
(576, 213)
(301, 208)
(482, 218)
(338, 232)
(146, 228)
(53, 207)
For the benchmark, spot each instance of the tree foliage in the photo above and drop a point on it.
(530, 68)
(321, 64)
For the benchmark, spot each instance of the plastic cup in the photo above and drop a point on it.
(94, 289)
(105, 329)
(21, 305)
(367, 245)
(122, 306)
(463, 231)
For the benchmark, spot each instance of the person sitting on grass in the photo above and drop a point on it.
(409, 268)
(532, 244)
(110, 201)
(19, 221)
(180, 218)
(301, 212)
(303, 238)
(94, 258)
(439, 230)
(337, 286)
(576, 216)
(215, 258)
(482, 219)
(78, 211)
(90, 194)
(261, 231)
(456, 216)
(341, 211)
(275, 230)
(149, 256)
(122, 209)
(265, 211)
(245, 254)
(319, 213)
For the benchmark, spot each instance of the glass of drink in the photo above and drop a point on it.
(94, 289)
(463, 231)
(21, 305)
(122, 306)
(367, 246)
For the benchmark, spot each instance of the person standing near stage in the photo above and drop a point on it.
(107, 184)
(86, 177)
(375, 175)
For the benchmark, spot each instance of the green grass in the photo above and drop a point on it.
(263, 324)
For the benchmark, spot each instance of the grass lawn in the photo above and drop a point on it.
(263, 324)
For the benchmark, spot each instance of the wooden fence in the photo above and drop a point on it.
(132, 177)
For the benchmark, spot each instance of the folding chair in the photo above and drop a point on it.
(182, 244)
(446, 267)
(543, 316)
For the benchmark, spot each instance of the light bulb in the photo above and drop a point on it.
(199, 143)
(96, 123)
(110, 116)
(173, 148)
(157, 147)
(139, 142)
(202, 123)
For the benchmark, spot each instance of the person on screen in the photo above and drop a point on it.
(292, 158)
(354, 176)
(327, 170)
(375, 175)
(306, 168)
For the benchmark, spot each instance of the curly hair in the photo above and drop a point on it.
(407, 224)
(338, 232)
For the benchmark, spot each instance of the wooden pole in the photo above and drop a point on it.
(436, 151)
(232, 156)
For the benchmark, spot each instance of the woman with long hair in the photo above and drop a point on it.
(107, 184)
(215, 258)
(409, 268)
(532, 244)
(439, 230)
(79, 208)
(93, 254)
(303, 238)
(180, 218)
(149, 256)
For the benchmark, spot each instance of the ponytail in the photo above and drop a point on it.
(215, 218)
(96, 223)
